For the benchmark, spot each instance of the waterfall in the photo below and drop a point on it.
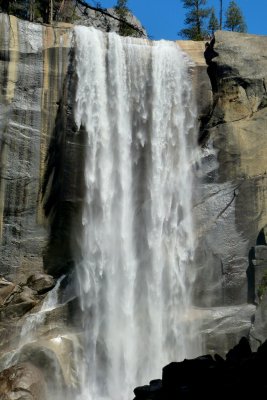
(135, 268)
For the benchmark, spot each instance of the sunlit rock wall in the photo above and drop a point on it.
(33, 65)
(230, 198)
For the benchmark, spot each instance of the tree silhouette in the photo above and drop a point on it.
(195, 19)
(221, 13)
(234, 18)
(122, 11)
(213, 22)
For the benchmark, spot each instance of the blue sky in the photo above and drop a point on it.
(164, 18)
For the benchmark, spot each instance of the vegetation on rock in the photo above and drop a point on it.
(122, 12)
(39, 10)
(197, 27)
(262, 287)
(49, 11)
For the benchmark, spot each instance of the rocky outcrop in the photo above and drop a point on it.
(17, 300)
(230, 191)
(230, 196)
(201, 81)
(233, 141)
(22, 382)
(41, 283)
(39, 329)
(104, 21)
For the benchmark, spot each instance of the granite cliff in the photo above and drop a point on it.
(232, 211)
(41, 189)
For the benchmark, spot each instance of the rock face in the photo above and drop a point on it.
(22, 382)
(42, 283)
(201, 81)
(230, 192)
(236, 180)
(33, 63)
(230, 197)
(235, 186)
(103, 22)
(41, 189)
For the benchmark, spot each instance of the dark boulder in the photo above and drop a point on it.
(241, 374)
(240, 352)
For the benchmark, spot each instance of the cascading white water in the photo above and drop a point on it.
(134, 99)
(34, 320)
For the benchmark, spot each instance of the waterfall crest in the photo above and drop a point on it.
(134, 99)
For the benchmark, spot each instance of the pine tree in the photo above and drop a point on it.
(19, 8)
(213, 22)
(41, 11)
(234, 18)
(122, 5)
(221, 14)
(195, 19)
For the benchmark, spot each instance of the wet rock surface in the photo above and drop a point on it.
(22, 382)
(6, 288)
(41, 283)
(20, 300)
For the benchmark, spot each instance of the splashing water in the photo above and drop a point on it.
(134, 99)
(34, 320)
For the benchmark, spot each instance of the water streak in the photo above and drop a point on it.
(32, 324)
(134, 99)
(35, 320)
